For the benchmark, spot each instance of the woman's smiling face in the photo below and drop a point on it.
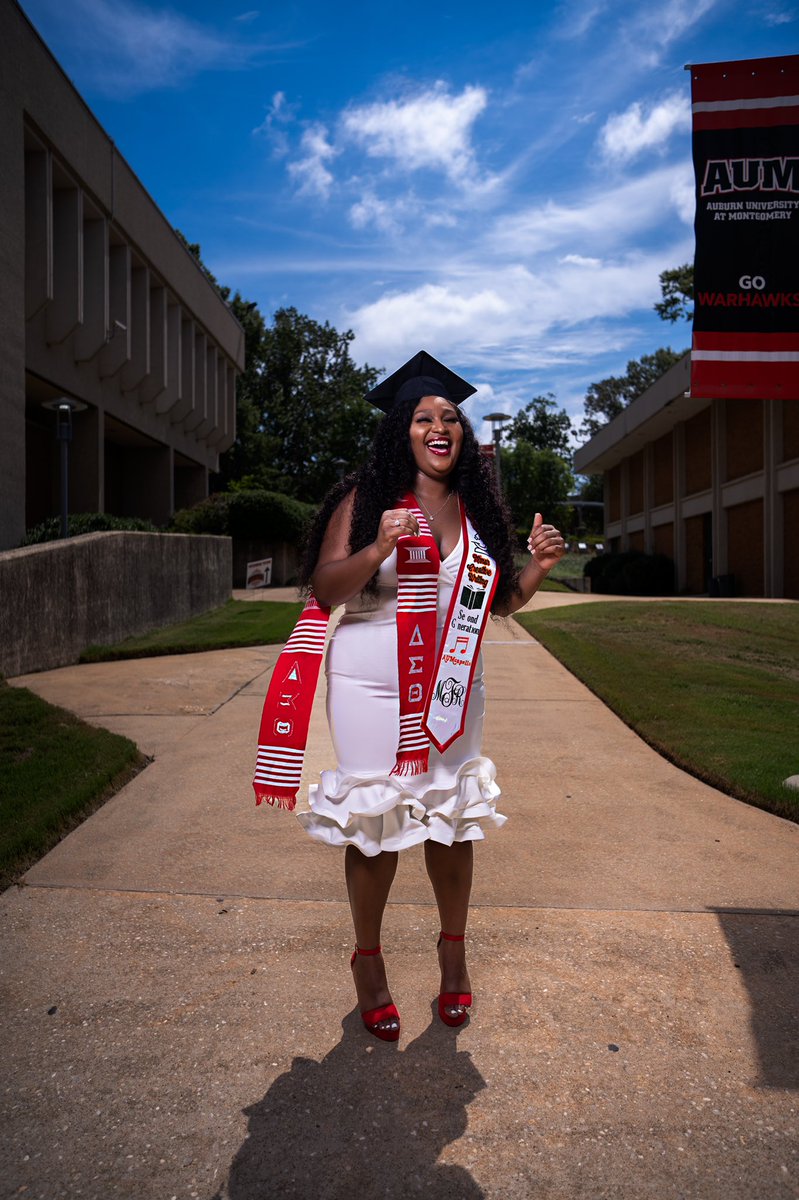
(436, 436)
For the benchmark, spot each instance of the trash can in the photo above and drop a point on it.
(722, 586)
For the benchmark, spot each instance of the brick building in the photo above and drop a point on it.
(714, 484)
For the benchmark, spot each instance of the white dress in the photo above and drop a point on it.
(361, 803)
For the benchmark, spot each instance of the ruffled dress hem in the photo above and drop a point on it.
(390, 812)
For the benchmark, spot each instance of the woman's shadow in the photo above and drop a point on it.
(368, 1120)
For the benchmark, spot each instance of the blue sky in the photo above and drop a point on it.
(498, 184)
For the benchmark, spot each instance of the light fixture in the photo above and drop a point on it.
(64, 407)
(496, 421)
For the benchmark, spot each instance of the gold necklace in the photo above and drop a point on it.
(432, 516)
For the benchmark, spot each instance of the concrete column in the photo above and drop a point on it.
(138, 367)
(38, 222)
(718, 473)
(678, 467)
(649, 471)
(772, 502)
(220, 383)
(91, 334)
(155, 383)
(217, 432)
(182, 405)
(209, 417)
(115, 354)
(14, 270)
(65, 310)
(229, 414)
(196, 414)
(624, 500)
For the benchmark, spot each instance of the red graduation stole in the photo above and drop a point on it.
(287, 710)
(418, 564)
(425, 695)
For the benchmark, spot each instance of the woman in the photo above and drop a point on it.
(404, 656)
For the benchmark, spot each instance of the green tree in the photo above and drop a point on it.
(534, 481)
(312, 417)
(542, 425)
(606, 399)
(677, 290)
(301, 420)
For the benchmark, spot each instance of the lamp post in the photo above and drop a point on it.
(64, 407)
(496, 421)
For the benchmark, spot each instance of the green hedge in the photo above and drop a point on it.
(631, 573)
(248, 516)
(78, 523)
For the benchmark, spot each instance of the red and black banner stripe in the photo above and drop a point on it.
(746, 271)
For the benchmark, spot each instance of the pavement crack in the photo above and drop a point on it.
(708, 910)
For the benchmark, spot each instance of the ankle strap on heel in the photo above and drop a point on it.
(366, 953)
(451, 937)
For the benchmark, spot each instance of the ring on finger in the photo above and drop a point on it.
(396, 521)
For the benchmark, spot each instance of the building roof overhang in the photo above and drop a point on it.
(651, 415)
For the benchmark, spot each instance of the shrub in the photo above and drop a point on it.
(631, 573)
(78, 523)
(207, 516)
(255, 515)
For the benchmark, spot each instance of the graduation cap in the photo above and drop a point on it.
(420, 376)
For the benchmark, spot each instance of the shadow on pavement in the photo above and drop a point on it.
(765, 948)
(367, 1120)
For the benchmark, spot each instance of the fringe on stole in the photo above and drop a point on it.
(411, 766)
(277, 800)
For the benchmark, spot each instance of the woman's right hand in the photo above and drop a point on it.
(394, 524)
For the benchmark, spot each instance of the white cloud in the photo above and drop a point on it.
(310, 172)
(779, 15)
(277, 111)
(626, 135)
(578, 16)
(653, 28)
(597, 221)
(128, 48)
(511, 317)
(683, 195)
(429, 130)
(273, 127)
(370, 210)
(580, 260)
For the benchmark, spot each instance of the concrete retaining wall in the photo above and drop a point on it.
(285, 561)
(58, 598)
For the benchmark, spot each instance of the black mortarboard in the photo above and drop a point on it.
(420, 376)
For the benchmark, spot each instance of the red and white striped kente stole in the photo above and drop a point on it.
(287, 710)
(433, 689)
(418, 564)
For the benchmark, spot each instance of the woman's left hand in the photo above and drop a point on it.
(545, 544)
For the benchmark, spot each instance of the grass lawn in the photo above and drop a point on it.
(237, 623)
(54, 771)
(549, 584)
(714, 687)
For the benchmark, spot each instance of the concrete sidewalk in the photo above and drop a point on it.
(178, 1006)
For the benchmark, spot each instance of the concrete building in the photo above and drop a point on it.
(100, 303)
(714, 484)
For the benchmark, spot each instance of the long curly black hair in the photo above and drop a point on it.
(390, 472)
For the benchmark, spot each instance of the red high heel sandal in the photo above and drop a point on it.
(453, 999)
(386, 1012)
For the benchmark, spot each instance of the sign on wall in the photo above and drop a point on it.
(746, 270)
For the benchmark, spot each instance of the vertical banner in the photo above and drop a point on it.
(746, 271)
